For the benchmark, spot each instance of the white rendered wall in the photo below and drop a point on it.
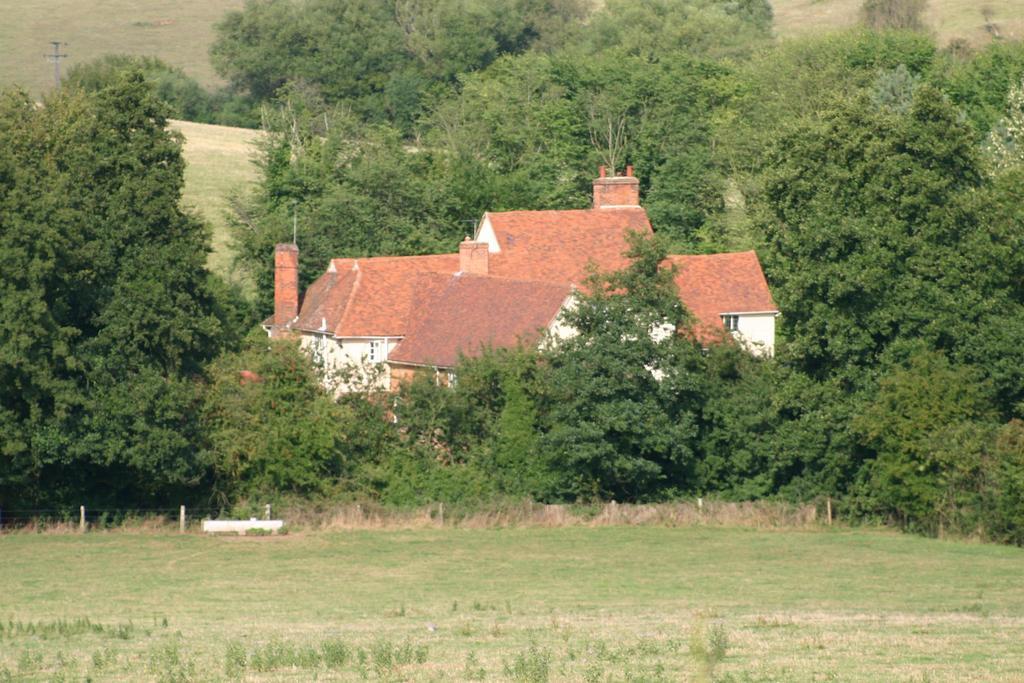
(486, 234)
(346, 361)
(757, 333)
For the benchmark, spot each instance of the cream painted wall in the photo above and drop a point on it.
(346, 361)
(485, 233)
(757, 333)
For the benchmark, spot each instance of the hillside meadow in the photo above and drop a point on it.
(218, 164)
(527, 604)
(975, 22)
(180, 33)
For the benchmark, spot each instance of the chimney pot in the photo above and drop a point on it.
(616, 191)
(601, 171)
(473, 257)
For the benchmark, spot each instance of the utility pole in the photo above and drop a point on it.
(55, 57)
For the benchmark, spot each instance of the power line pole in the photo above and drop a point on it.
(55, 57)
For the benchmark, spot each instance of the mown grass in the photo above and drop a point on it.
(219, 163)
(975, 22)
(178, 31)
(576, 603)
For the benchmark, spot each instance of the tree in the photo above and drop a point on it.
(184, 95)
(623, 403)
(269, 426)
(1006, 141)
(106, 310)
(381, 59)
(920, 410)
(893, 14)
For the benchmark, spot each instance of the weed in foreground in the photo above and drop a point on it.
(169, 665)
(708, 645)
(65, 628)
(387, 656)
(278, 654)
(334, 653)
(530, 666)
(472, 671)
(235, 659)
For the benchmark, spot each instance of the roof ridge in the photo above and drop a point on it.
(551, 283)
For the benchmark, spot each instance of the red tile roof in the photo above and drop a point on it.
(416, 296)
(368, 297)
(713, 284)
(557, 246)
(468, 313)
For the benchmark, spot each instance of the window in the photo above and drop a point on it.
(378, 350)
(731, 322)
(453, 380)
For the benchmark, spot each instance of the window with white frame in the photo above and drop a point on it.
(378, 350)
(731, 322)
(453, 379)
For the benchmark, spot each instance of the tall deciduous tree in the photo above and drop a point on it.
(881, 231)
(625, 392)
(105, 310)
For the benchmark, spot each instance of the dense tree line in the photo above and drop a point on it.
(878, 175)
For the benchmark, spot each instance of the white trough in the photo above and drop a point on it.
(241, 526)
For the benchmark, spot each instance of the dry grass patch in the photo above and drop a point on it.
(178, 31)
(976, 22)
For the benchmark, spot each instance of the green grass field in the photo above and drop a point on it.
(578, 603)
(218, 164)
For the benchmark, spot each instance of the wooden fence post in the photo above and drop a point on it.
(441, 509)
(81, 519)
(181, 520)
(828, 510)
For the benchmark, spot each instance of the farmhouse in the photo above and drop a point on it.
(382, 319)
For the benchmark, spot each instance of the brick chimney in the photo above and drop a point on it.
(473, 258)
(286, 284)
(616, 192)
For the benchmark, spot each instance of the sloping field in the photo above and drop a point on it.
(218, 164)
(177, 31)
(576, 604)
(976, 22)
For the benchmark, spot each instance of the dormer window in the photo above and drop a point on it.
(378, 350)
(731, 322)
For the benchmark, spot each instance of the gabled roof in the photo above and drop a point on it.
(464, 314)
(368, 297)
(713, 284)
(557, 246)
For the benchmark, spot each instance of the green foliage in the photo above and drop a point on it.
(106, 313)
(1006, 141)
(518, 465)
(650, 29)
(625, 392)
(380, 58)
(920, 409)
(185, 97)
(980, 85)
(269, 425)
